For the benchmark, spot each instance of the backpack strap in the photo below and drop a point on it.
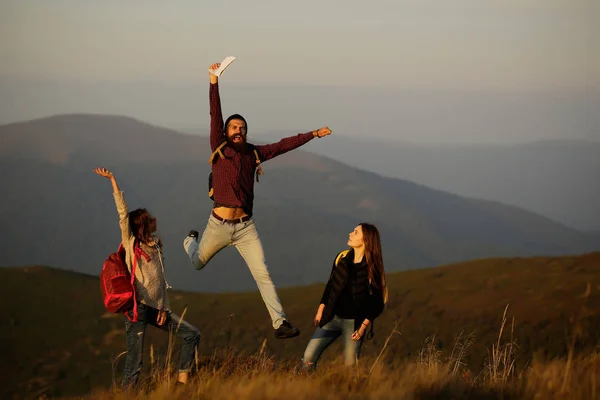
(341, 255)
(259, 170)
(137, 252)
(218, 151)
(212, 160)
(135, 308)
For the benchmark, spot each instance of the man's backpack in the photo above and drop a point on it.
(117, 284)
(213, 159)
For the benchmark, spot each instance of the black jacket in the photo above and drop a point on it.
(368, 297)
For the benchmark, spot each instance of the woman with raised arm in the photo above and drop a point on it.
(354, 296)
(142, 246)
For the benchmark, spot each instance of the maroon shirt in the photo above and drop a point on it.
(233, 176)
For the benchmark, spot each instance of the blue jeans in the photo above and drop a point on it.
(244, 237)
(326, 335)
(134, 332)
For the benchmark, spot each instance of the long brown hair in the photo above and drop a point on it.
(374, 257)
(140, 221)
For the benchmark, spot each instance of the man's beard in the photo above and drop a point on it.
(240, 147)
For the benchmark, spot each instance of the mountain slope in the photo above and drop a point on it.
(554, 178)
(57, 212)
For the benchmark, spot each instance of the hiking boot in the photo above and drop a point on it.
(193, 234)
(286, 331)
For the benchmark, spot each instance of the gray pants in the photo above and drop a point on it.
(244, 237)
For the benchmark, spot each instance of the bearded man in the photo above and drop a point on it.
(234, 165)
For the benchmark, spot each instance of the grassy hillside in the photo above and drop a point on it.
(56, 338)
(426, 378)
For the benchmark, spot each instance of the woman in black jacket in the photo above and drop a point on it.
(355, 295)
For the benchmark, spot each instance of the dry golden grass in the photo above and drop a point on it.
(428, 376)
(255, 378)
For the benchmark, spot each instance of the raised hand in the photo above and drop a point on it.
(104, 172)
(212, 68)
(107, 174)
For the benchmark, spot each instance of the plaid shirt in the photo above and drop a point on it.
(233, 176)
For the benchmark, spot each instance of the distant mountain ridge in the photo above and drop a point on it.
(55, 211)
(556, 178)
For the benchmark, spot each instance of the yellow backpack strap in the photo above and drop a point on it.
(259, 170)
(212, 160)
(341, 255)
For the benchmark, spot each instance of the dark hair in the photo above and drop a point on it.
(231, 117)
(139, 222)
(374, 256)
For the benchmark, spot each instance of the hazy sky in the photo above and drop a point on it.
(71, 48)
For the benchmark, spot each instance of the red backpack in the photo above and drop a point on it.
(117, 284)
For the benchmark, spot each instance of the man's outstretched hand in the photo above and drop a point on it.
(322, 132)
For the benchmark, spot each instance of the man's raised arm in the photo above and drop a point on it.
(216, 116)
